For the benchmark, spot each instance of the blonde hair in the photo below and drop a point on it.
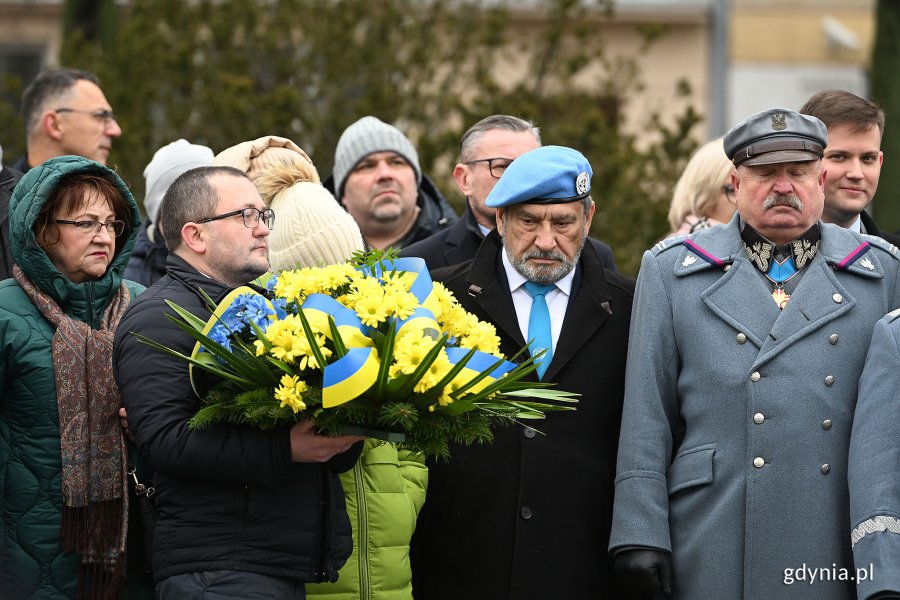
(700, 184)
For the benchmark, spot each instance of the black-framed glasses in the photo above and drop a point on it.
(92, 228)
(495, 165)
(728, 190)
(251, 217)
(102, 115)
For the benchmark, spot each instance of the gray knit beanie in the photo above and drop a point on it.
(364, 137)
(168, 163)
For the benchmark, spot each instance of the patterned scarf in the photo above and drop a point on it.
(93, 451)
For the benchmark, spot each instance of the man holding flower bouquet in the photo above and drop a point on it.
(242, 512)
(528, 517)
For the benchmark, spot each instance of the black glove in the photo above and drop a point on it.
(644, 571)
(886, 596)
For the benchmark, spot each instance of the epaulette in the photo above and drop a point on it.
(668, 243)
(882, 244)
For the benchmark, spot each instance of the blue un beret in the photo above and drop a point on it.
(545, 175)
(776, 136)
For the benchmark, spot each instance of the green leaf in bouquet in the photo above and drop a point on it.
(456, 408)
(207, 363)
(247, 366)
(339, 348)
(414, 377)
(402, 414)
(187, 316)
(546, 394)
(385, 352)
(311, 338)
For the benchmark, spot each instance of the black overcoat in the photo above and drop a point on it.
(528, 516)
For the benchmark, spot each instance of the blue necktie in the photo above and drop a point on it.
(539, 324)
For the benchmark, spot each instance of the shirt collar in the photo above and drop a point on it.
(856, 225)
(517, 280)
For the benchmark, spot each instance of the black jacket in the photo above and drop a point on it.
(459, 243)
(8, 180)
(148, 259)
(528, 516)
(871, 228)
(228, 497)
(435, 213)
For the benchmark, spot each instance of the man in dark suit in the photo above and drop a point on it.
(486, 149)
(528, 516)
(853, 158)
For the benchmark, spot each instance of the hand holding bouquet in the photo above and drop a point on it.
(369, 347)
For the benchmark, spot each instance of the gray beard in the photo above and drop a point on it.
(542, 274)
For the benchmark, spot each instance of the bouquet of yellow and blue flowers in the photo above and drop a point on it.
(370, 347)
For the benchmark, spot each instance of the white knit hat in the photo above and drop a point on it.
(256, 155)
(364, 137)
(311, 228)
(168, 163)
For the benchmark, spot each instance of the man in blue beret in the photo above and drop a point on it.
(528, 516)
(746, 351)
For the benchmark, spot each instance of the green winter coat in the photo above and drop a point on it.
(32, 563)
(384, 493)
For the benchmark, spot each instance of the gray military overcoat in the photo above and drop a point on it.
(737, 417)
(875, 464)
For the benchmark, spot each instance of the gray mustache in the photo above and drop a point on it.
(791, 200)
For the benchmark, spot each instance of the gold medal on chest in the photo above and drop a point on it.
(780, 298)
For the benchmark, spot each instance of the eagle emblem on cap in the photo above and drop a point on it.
(581, 182)
(779, 121)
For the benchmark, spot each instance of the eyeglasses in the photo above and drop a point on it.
(495, 165)
(92, 228)
(102, 115)
(251, 217)
(728, 190)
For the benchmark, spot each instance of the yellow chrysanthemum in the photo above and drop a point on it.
(445, 301)
(290, 392)
(371, 309)
(482, 336)
(400, 303)
(290, 344)
(433, 375)
(409, 352)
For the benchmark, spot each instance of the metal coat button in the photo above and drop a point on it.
(837, 298)
(741, 338)
(826, 469)
(826, 424)
(529, 432)
(727, 268)
(833, 339)
(526, 513)
(759, 418)
(829, 380)
(755, 376)
(758, 462)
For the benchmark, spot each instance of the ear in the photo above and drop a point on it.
(461, 174)
(735, 180)
(52, 125)
(590, 217)
(500, 224)
(823, 177)
(194, 237)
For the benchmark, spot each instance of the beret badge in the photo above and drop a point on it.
(581, 182)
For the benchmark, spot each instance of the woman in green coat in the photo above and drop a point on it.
(386, 489)
(63, 456)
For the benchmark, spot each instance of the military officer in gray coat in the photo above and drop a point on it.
(875, 467)
(746, 347)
